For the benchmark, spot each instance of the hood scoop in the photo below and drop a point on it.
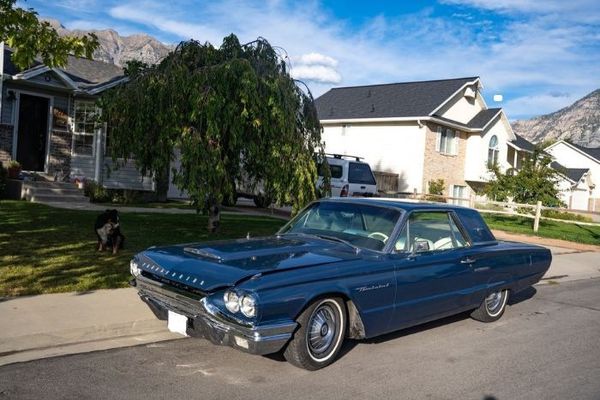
(203, 253)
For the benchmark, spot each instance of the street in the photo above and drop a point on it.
(546, 346)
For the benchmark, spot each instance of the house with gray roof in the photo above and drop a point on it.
(421, 132)
(579, 168)
(48, 124)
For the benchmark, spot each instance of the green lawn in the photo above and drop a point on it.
(550, 229)
(47, 250)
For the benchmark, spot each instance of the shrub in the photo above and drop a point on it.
(436, 186)
(97, 193)
(565, 215)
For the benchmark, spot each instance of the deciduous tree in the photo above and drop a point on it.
(29, 38)
(227, 113)
(535, 181)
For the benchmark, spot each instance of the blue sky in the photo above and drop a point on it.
(541, 55)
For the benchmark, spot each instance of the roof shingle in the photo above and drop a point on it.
(395, 100)
(574, 174)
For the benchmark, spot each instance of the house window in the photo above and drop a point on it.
(459, 192)
(493, 152)
(446, 141)
(86, 115)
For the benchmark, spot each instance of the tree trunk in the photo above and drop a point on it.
(214, 216)
(162, 185)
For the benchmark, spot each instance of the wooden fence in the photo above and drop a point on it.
(507, 208)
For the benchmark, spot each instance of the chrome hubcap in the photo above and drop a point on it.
(494, 301)
(321, 330)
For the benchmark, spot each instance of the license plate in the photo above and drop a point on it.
(177, 323)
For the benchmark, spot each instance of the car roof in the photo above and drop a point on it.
(403, 204)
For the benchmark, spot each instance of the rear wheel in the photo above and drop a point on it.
(492, 307)
(317, 342)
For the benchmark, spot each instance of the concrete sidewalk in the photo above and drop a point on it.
(56, 324)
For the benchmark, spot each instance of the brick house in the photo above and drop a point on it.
(422, 131)
(47, 121)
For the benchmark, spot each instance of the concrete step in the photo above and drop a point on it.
(50, 198)
(53, 190)
(46, 184)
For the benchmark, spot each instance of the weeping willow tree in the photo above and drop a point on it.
(227, 113)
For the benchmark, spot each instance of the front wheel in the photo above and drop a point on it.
(317, 342)
(492, 307)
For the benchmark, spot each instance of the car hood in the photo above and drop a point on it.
(214, 265)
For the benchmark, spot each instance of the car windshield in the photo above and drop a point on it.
(359, 225)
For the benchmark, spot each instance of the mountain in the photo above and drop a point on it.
(579, 122)
(117, 49)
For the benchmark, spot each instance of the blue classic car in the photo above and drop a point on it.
(342, 268)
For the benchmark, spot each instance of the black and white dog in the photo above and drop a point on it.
(108, 231)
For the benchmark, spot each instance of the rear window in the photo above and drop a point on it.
(475, 226)
(360, 173)
(336, 171)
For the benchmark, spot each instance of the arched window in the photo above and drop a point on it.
(493, 151)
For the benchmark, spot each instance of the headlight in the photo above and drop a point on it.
(232, 301)
(134, 268)
(248, 306)
(244, 303)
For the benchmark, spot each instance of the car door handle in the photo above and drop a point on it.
(467, 260)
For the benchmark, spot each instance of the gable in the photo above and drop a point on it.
(49, 78)
(464, 106)
(570, 156)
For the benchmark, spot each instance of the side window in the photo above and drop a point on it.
(430, 231)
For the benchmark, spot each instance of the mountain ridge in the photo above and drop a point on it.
(117, 49)
(578, 123)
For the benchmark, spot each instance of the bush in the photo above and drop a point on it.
(565, 215)
(3, 179)
(97, 193)
(436, 186)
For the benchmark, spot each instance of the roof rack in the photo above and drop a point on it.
(341, 156)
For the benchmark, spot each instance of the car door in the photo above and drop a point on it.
(433, 275)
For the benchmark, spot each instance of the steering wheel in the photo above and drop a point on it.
(378, 235)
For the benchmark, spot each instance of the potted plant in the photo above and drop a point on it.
(14, 169)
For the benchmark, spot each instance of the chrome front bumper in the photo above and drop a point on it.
(207, 321)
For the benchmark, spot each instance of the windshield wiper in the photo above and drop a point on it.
(339, 240)
(325, 237)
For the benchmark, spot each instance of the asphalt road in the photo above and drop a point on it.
(547, 346)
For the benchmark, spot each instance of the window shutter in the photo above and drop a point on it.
(438, 140)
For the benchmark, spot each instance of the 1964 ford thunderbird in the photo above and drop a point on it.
(342, 268)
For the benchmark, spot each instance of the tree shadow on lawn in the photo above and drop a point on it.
(47, 250)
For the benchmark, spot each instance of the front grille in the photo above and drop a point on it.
(170, 297)
(178, 285)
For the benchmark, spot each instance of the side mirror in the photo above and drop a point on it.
(420, 245)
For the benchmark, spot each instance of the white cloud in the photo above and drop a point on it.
(316, 59)
(316, 73)
(538, 52)
(155, 18)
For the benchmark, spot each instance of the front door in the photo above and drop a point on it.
(33, 131)
(432, 278)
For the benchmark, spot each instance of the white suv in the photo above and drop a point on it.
(349, 176)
